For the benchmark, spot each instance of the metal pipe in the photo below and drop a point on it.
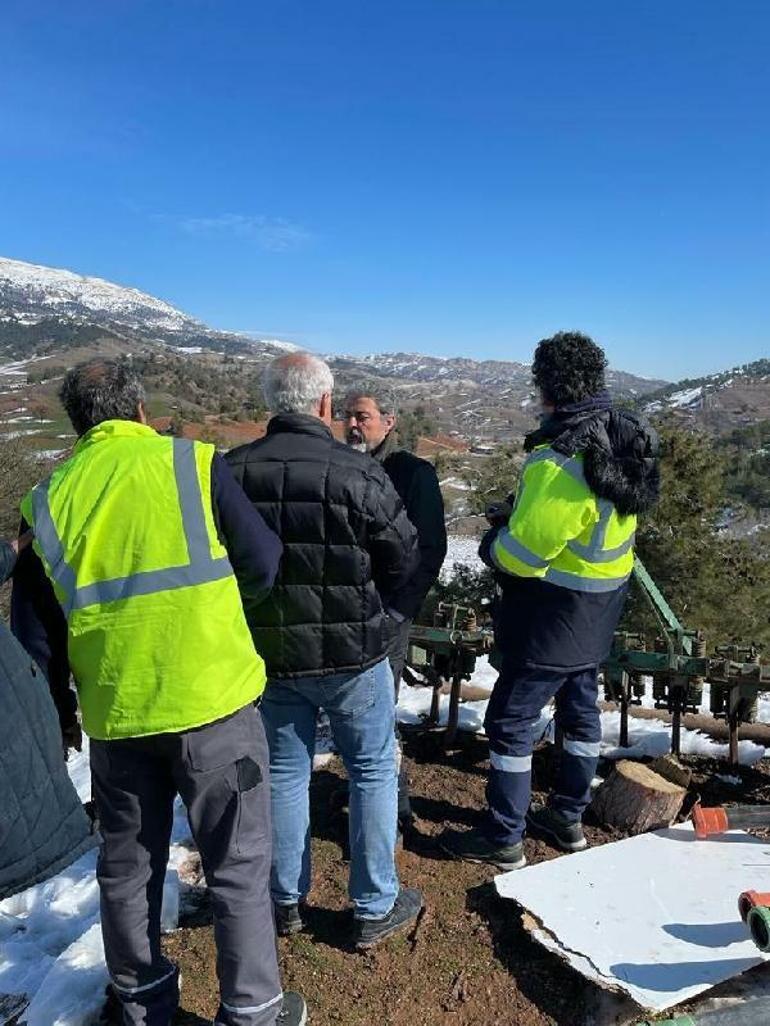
(729, 817)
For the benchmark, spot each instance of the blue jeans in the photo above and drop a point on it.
(361, 710)
(514, 706)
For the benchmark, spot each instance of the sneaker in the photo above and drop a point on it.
(293, 1010)
(567, 835)
(287, 920)
(368, 932)
(473, 846)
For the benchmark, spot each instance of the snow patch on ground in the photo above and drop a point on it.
(460, 550)
(51, 940)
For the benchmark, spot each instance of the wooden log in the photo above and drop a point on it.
(718, 729)
(635, 799)
(668, 766)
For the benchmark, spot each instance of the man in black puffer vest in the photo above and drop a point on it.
(348, 546)
(370, 426)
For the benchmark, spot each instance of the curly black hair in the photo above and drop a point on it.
(568, 368)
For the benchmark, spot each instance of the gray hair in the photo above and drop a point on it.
(295, 383)
(99, 390)
(383, 396)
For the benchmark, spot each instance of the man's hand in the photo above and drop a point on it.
(498, 513)
(19, 544)
(72, 737)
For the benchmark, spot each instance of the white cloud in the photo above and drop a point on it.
(275, 234)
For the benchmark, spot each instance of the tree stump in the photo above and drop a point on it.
(635, 799)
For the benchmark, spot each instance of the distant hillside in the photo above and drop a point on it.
(734, 398)
(51, 318)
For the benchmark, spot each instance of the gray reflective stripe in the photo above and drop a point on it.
(50, 544)
(252, 1009)
(148, 582)
(583, 749)
(190, 501)
(201, 569)
(594, 551)
(514, 548)
(511, 763)
(147, 986)
(591, 584)
(569, 464)
(610, 555)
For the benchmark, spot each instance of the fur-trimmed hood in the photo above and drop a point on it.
(620, 451)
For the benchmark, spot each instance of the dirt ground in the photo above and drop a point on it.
(469, 961)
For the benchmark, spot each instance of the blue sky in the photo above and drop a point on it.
(459, 177)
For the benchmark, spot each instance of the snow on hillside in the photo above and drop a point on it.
(50, 291)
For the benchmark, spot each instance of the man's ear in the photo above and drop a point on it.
(325, 408)
(141, 414)
(390, 420)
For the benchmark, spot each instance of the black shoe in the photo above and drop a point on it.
(473, 846)
(552, 825)
(293, 1010)
(287, 920)
(368, 932)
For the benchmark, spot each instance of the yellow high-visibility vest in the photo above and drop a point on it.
(157, 636)
(561, 532)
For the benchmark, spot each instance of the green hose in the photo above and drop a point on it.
(759, 923)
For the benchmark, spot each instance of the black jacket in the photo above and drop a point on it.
(37, 619)
(43, 827)
(417, 486)
(348, 547)
(538, 624)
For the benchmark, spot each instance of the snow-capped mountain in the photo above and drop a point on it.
(31, 293)
(492, 374)
(47, 314)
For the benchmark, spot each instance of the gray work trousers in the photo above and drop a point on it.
(221, 773)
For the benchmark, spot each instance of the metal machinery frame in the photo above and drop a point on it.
(678, 666)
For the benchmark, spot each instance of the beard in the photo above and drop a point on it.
(355, 440)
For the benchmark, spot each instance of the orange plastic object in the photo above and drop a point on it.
(709, 821)
(752, 899)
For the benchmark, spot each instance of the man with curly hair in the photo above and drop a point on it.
(563, 553)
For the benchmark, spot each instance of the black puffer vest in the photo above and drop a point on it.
(347, 546)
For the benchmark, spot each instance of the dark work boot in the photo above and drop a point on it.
(473, 846)
(550, 824)
(288, 919)
(293, 1010)
(368, 932)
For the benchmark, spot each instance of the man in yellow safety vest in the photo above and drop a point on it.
(563, 553)
(143, 547)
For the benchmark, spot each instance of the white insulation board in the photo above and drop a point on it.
(655, 916)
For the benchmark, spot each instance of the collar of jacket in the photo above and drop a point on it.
(114, 429)
(387, 447)
(298, 424)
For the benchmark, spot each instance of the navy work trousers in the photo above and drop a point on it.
(514, 708)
